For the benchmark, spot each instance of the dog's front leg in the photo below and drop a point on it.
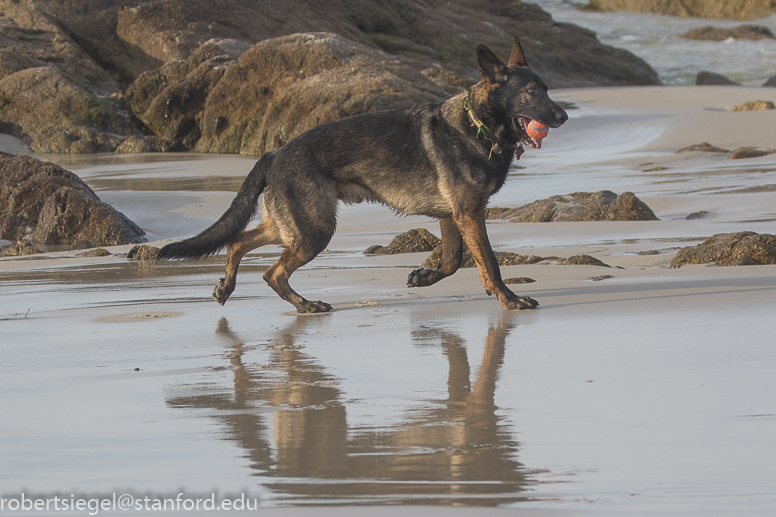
(472, 227)
(452, 254)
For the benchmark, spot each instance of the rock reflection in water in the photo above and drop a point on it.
(454, 451)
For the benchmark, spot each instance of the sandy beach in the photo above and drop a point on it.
(649, 392)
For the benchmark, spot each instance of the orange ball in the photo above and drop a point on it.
(536, 130)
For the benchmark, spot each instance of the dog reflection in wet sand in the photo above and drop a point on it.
(459, 444)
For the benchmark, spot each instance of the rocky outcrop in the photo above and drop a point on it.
(20, 249)
(736, 9)
(132, 35)
(52, 114)
(754, 106)
(77, 56)
(579, 206)
(53, 94)
(254, 101)
(170, 100)
(771, 82)
(730, 249)
(42, 203)
(749, 32)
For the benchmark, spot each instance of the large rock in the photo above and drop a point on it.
(738, 9)
(730, 249)
(42, 203)
(274, 91)
(750, 32)
(170, 100)
(53, 94)
(131, 35)
(52, 114)
(579, 206)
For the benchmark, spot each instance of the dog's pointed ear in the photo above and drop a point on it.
(518, 57)
(492, 68)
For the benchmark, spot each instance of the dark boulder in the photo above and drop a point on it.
(705, 78)
(42, 203)
(730, 249)
(579, 206)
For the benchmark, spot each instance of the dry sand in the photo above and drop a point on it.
(651, 392)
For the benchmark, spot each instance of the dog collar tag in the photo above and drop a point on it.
(519, 152)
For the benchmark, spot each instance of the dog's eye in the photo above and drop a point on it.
(532, 91)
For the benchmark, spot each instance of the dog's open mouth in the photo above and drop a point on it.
(520, 123)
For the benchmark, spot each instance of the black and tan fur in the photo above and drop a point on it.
(443, 161)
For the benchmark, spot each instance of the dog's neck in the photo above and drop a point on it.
(494, 133)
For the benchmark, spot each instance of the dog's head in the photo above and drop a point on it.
(517, 93)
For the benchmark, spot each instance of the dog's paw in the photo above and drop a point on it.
(421, 278)
(308, 307)
(222, 291)
(518, 303)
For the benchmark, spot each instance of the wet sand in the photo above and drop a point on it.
(648, 392)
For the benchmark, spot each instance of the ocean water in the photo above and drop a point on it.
(655, 38)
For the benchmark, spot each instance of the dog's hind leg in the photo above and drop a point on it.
(263, 234)
(277, 277)
(305, 212)
(476, 238)
(452, 255)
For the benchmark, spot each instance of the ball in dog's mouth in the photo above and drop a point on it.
(530, 131)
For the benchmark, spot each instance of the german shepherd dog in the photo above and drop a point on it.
(441, 160)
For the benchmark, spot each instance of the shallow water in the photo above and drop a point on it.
(655, 39)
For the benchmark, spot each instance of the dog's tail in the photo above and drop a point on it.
(228, 228)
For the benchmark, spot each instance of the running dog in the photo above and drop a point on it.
(441, 160)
